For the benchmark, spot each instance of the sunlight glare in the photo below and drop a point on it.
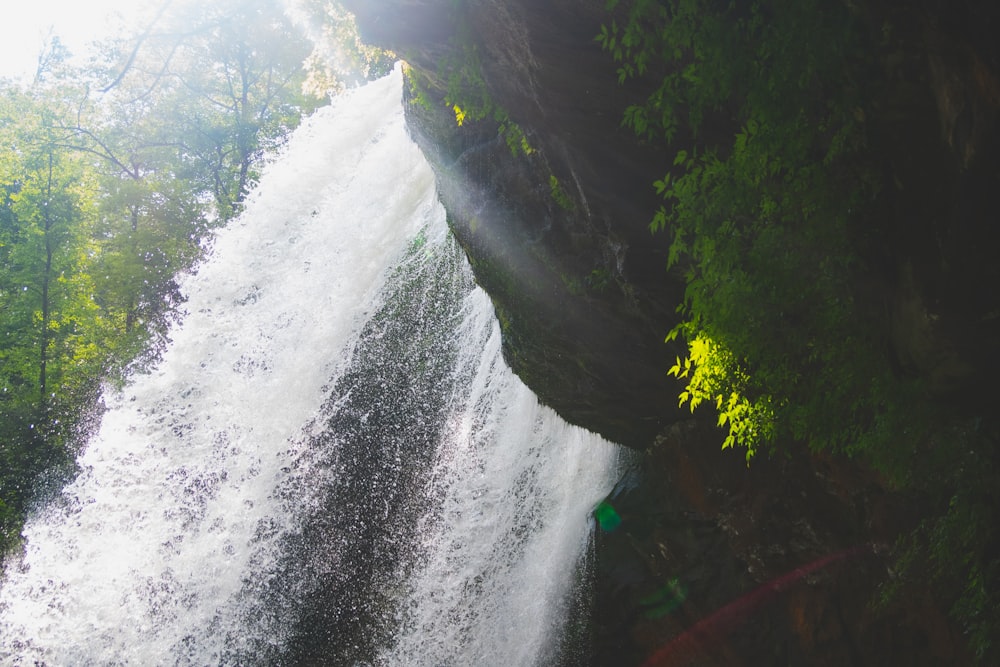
(77, 24)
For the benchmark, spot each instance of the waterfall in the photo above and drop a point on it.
(331, 464)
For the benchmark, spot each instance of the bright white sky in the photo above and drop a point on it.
(24, 24)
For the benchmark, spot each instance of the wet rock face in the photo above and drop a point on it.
(939, 132)
(584, 299)
(559, 237)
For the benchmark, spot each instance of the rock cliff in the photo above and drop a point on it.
(558, 235)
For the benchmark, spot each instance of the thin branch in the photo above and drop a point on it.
(163, 72)
(138, 45)
(105, 153)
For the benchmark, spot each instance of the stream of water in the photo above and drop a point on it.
(332, 464)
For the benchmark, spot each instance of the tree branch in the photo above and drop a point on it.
(138, 45)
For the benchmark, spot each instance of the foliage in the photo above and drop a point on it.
(559, 195)
(112, 177)
(52, 330)
(231, 74)
(339, 58)
(714, 376)
(760, 215)
(599, 280)
(467, 95)
(763, 107)
(417, 87)
(954, 547)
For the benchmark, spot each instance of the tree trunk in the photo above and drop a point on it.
(45, 337)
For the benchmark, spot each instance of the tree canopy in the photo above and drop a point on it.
(112, 176)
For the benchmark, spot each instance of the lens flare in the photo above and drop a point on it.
(709, 630)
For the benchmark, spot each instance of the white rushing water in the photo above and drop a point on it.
(331, 464)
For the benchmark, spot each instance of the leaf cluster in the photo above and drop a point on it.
(758, 102)
(339, 59)
(762, 106)
(467, 95)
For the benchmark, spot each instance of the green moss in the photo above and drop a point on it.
(467, 96)
(559, 195)
(418, 87)
(599, 280)
(573, 285)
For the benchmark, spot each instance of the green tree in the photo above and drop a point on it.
(227, 81)
(340, 59)
(110, 179)
(761, 105)
(50, 326)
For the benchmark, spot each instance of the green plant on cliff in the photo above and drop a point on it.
(763, 107)
(761, 104)
(467, 95)
(418, 89)
(559, 195)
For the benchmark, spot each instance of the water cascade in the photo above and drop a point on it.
(331, 464)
